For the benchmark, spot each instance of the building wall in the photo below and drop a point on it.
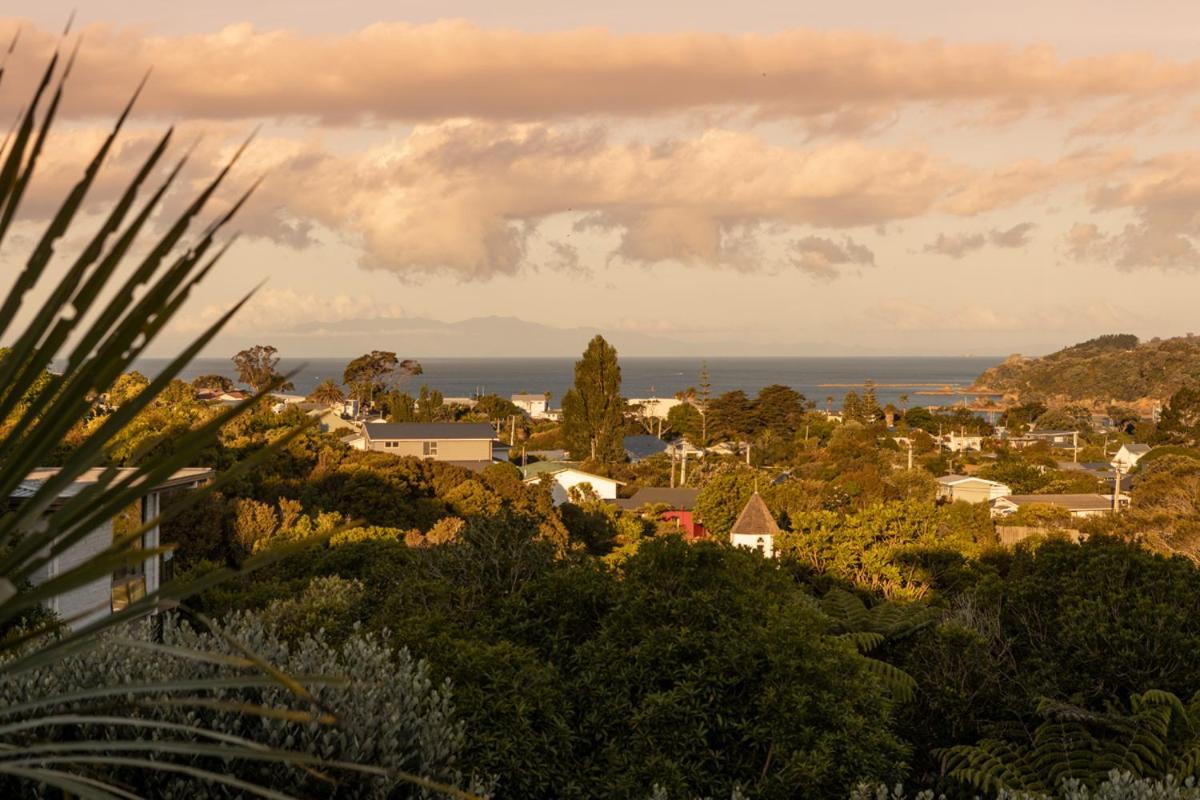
(752, 543)
(604, 488)
(447, 449)
(974, 492)
(93, 600)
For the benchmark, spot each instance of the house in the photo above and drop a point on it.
(679, 504)
(468, 444)
(566, 477)
(652, 407)
(643, 446)
(1079, 505)
(755, 528)
(970, 489)
(1057, 440)
(113, 592)
(1129, 455)
(329, 421)
(535, 405)
(962, 442)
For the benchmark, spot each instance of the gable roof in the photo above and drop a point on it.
(681, 498)
(755, 519)
(1071, 502)
(643, 445)
(539, 467)
(425, 431)
(557, 467)
(35, 479)
(1136, 449)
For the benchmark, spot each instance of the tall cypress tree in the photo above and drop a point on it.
(593, 411)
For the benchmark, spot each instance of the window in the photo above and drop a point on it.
(430, 448)
(391, 444)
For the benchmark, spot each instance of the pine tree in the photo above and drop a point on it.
(703, 396)
(593, 411)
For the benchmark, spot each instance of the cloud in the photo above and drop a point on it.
(825, 258)
(956, 245)
(471, 198)
(1162, 194)
(960, 244)
(843, 81)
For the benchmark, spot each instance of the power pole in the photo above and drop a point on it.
(1116, 503)
(683, 470)
(910, 454)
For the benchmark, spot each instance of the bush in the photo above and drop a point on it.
(391, 715)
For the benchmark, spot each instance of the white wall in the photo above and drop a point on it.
(92, 600)
(605, 488)
(752, 543)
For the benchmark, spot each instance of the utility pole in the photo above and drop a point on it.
(672, 468)
(748, 455)
(1116, 505)
(910, 454)
(512, 436)
(1075, 446)
(683, 470)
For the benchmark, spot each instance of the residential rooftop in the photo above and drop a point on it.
(425, 431)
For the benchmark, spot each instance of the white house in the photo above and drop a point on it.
(1078, 505)
(970, 489)
(567, 477)
(102, 596)
(654, 407)
(962, 442)
(755, 528)
(1129, 455)
(535, 405)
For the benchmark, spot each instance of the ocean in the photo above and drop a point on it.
(647, 377)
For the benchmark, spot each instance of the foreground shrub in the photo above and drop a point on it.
(390, 713)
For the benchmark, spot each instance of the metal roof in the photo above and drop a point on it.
(34, 480)
(427, 431)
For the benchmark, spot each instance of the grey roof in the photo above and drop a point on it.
(955, 480)
(540, 467)
(426, 431)
(643, 446)
(755, 519)
(1138, 449)
(525, 398)
(1052, 433)
(34, 480)
(682, 498)
(1071, 502)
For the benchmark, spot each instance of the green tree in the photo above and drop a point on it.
(870, 405)
(327, 393)
(258, 367)
(212, 383)
(731, 416)
(852, 408)
(126, 388)
(1180, 420)
(779, 409)
(723, 497)
(593, 411)
(367, 376)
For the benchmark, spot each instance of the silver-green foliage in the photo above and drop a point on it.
(389, 713)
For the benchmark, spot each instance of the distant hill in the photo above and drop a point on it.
(1115, 367)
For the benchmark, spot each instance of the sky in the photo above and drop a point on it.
(919, 178)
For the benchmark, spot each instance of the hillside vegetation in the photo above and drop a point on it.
(1115, 367)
